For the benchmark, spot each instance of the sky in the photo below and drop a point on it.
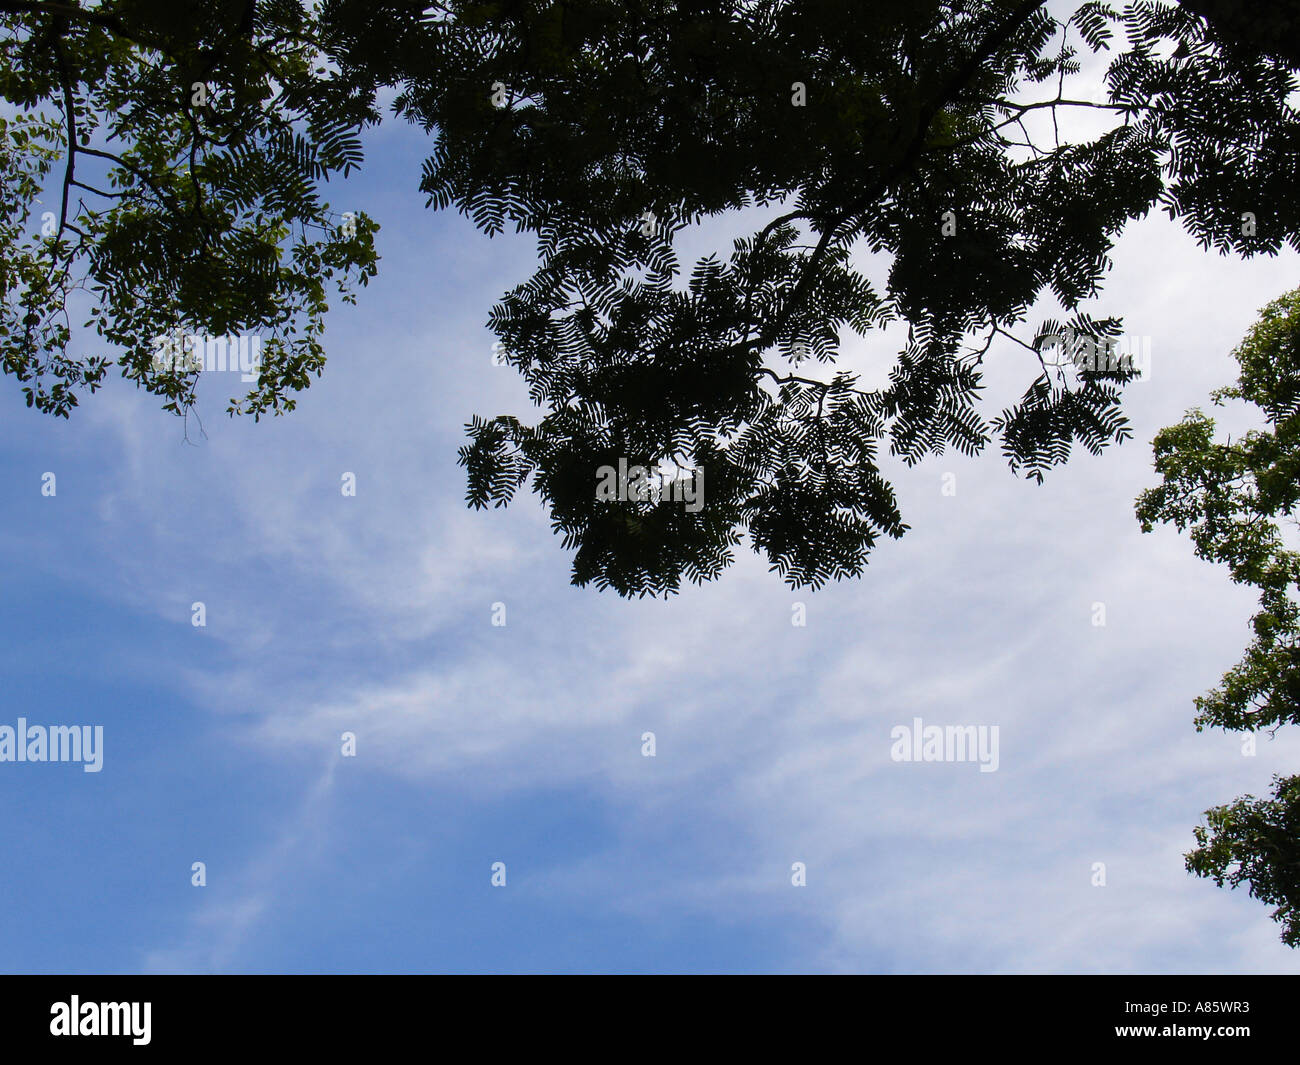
(522, 743)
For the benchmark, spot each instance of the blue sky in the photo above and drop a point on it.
(522, 744)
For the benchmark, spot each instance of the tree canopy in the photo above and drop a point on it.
(1238, 502)
(187, 143)
(915, 130)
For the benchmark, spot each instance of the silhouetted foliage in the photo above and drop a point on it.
(612, 114)
(608, 128)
